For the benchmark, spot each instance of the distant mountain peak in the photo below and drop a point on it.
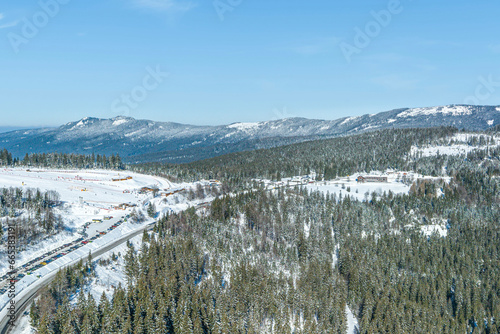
(119, 120)
(145, 140)
(245, 126)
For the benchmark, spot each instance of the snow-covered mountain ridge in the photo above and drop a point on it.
(145, 140)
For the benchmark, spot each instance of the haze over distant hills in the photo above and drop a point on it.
(145, 140)
(12, 128)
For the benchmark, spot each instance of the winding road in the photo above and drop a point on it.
(29, 294)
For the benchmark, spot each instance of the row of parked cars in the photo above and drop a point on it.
(28, 268)
(118, 223)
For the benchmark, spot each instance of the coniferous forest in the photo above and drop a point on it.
(62, 160)
(32, 213)
(290, 260)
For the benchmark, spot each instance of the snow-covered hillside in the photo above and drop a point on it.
(432, 111)
(459, 144)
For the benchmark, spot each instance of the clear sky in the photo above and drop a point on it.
(242, 60)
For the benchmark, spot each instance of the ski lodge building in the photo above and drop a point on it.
(371, 179)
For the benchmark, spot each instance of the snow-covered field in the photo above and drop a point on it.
(398, 182)
(85, 192)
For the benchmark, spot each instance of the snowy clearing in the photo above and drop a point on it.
(429, 230)
(459, 144)
(348, 186)
(398, 182)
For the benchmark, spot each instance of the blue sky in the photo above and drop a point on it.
(242, 61)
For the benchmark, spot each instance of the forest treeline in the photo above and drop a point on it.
(62, 160)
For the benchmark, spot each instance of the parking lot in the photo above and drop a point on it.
(92, 231)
